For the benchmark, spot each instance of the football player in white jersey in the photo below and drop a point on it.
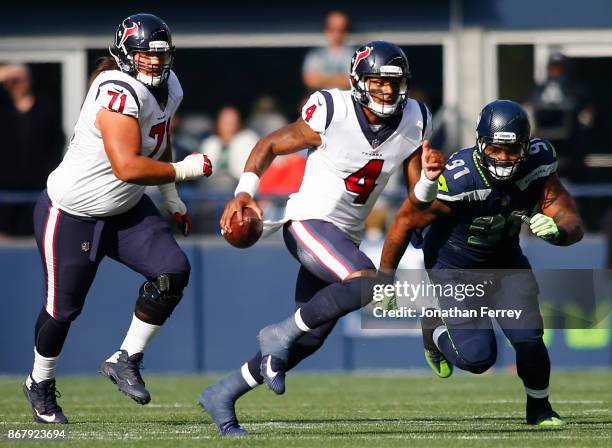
(358, 138)
(94, 206)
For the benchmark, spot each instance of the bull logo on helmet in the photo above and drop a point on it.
(127, 32)
(360, 56)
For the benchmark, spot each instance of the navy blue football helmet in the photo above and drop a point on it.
(502, 122)
(144, 33)
(380, 59)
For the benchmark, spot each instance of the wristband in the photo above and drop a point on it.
(168, 191)
(425, 190)
(248, 183)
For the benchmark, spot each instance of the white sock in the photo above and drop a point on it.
(44, 368)
(246, 375)
(437, 333)
(299, 322)
(138, 336)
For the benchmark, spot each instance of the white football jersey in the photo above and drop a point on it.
(346, 174)
(84, 184)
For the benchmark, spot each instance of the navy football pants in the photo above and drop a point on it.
(72, 248)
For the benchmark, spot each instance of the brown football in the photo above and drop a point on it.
(248, 233)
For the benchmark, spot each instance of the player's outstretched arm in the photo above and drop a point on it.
(121, 137)
(407, 219)
(287, 140)
(422, 171)
(559, 223)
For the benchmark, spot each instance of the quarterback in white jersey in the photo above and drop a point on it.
(95, 206)
(347, 172)
(358, 138)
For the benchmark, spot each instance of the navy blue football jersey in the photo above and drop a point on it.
(483, 229)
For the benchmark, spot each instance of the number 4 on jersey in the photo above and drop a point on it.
(363, 181)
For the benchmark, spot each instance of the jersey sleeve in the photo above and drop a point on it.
(541, 163)
(319, 111)
(118, 96)
(457, 182)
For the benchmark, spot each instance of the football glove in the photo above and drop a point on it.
(176, 207)
(389, 301)
(194, 166)
(544, 227)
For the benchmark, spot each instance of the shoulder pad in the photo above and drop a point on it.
(541, 162)
(462, 179)
(119, 92)
(426, 121)
(174, 86)
(319, 111)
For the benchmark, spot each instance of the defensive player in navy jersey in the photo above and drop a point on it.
(484, 195)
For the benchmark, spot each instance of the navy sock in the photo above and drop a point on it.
(533, 364)
(335, 301)
(49, 334)
(254, 366)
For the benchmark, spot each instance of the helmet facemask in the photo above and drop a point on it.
(502, 170)
(153, 75)
(366, 94)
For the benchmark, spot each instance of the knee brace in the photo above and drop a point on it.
(157, 298)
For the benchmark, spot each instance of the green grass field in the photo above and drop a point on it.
(328, 410)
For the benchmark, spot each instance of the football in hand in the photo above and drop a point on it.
(248, 233)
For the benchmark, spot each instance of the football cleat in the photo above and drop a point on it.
(273, 374)
(220, 406)
(550, 418)
(434, 357)
(43, 398)
(124, 371)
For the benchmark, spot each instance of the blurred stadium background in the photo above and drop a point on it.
(249, 55)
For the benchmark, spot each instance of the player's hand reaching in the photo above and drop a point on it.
(236, 205)
(432, 161)
(194, 166)
(176, 207)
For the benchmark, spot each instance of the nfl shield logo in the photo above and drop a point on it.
(85, 246)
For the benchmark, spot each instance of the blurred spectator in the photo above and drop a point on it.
(327, 67)
(228, 148)
(265, 116)
(283, 177)
(562, 115)
(32, 143)
(188, 132)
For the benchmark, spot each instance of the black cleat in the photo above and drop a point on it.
(124, 371)
(42, 396)
(540, 413)
(434, 357)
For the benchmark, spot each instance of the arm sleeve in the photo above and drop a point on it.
(118, 96)
(318, 111)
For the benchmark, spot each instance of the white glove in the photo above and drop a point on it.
(194, 166)
(176, 207)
